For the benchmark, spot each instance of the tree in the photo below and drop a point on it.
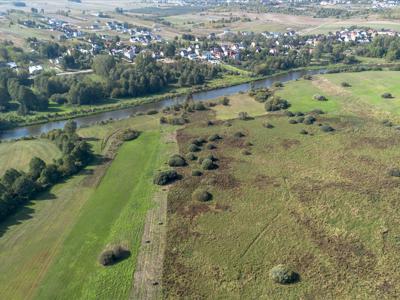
(103, 64)
(36, 166)
(4, 98)
(9, 177)
(70, 127)
(24, 187)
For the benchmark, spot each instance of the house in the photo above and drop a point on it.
(130, 53)
(35, 69)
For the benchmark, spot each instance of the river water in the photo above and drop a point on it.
(36, 130)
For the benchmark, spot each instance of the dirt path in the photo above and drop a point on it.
(148, 274)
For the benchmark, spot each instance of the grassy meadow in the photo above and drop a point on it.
(322, 203)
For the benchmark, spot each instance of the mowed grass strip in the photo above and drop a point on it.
(18, 154)
(114, 214)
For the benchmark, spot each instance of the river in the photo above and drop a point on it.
(36, 130)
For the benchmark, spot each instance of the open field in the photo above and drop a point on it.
(239, 103)
(299, 200)
(322, 203)
(18, 155)
(84, 210)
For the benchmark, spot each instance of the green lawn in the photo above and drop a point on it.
(114, 214)
(18, 154)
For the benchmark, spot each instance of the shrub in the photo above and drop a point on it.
(246, 152)
(268, 125)
(213, 138)
(317, 111)
(289, 114)
(199, 106)
(394, 172)
(277, 84)
(201, 195)
(248, 144)
(387, 95)
(196, 173)
(387, 123)
(113, 255)
(194, 148)
(320, 98)
(239, 134)
(177, 160)
(276, 103)
(191, 156)
(299, 114)
(225, 101)
(244, 116)
(152, 112)
(208, 164)
(212, 157)
(300, 120)
(292, 121)
(307, 77)
(345, 84)
(165, 177)
(327, 128)
(309, 120)
(303, 131)
(128, 135)
(283, 275)
(211, 147)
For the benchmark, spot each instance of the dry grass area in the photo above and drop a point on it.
(322, 203)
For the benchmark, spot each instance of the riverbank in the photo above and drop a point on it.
(215, 89)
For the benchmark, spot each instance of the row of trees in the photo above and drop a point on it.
(17, 187)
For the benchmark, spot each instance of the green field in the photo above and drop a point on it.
(58, 237)
(17, 155)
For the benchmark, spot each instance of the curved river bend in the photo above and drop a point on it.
(36, 130)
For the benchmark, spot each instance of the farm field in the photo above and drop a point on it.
(322, 203)
(18, 155)
(47, 233)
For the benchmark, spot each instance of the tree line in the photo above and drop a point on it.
(18, 187)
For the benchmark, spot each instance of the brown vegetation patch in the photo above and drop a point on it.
(193, 210)
(374, 142)
(350, 255)
(289, 143)
(226, 181)
(262, 181)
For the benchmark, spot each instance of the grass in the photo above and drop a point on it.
(18, 154)
(114, 213)
(318, 203)
(239, 103)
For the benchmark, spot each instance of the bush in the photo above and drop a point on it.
(196, 173)
(199, 106)
(276, 103)
(394, 172)
(244, 116)
(128, 135)
(194, 148)
(211, 147)
(289, 114)
(248, 144)
(300, 120)
(345, 84)
(317, 111)
(309, 120)
(303, 131)
(213, 138)
(201, 195)
(246, 152)
(208, 164)
(212, 157)
(113, 255)
(387, 123)
(283, 275)
(191, 156)
(152, 112)
(165, 177)
(239, 134)
(327, 128)
(320, 98)
(177, 161)
(387, 95)
(268, 125)
(225, 101)
(277, 84)
(307, 77)
(292, 121)
(299, 114)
